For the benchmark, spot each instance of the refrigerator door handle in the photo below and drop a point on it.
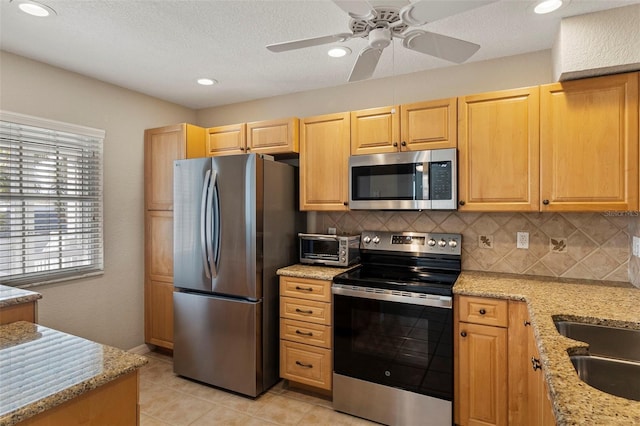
(214, 211)
(203, 224)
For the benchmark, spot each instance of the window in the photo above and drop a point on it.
(50, 200)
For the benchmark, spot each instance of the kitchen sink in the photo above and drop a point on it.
(612, 364)
(610, 375)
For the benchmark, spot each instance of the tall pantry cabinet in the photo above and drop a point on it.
(162, 146)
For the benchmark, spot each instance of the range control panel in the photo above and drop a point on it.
(422, 242)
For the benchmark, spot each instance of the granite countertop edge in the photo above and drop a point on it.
(117, 363)
(10, 296)
(598, 302)
(312, 271)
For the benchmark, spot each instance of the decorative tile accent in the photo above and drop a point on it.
(596, 246)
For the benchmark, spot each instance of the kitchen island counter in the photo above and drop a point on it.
(42, 368)
(612, 303)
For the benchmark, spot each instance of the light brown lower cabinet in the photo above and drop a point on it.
(305, 332)
(115, 403)
(20, 312)
(495, 379)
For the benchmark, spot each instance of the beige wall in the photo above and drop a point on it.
(504, 73)
(109, 308)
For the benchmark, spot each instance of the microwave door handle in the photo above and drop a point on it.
(425, 181)
(204, 213)
(215, 223)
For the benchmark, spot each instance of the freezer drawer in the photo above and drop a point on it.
(218, 341)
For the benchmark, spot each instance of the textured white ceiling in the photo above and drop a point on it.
(160, 47)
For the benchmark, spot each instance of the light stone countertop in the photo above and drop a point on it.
(312, 271)
(14, 296)
(40, 368)
(598, 302)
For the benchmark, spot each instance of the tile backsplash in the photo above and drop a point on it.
(570, 245)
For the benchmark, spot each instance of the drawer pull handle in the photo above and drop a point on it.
(302, 333)
(302, 311)
(482, 311)
(463, 334)
(527, 323)
(303, 365)
(304, 288)
(535, 363)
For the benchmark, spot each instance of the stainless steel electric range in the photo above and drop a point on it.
(393, 329)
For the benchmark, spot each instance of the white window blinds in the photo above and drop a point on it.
(50, 200)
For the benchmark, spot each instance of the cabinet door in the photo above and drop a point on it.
(226, 140)
(161, 147)
(540, 408)
(158, 324)
(375, 130)
(589, 144)
(482, 375)
(429, 125)
(324, 162)
(521, 402)
(498, 151)
(273, 136)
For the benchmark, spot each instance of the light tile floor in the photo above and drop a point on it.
(169, 400)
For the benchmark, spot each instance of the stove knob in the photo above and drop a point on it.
(431, 242)
(367, 239)
(453, 243)
(342, 252)
(376, 240)
(442, 243)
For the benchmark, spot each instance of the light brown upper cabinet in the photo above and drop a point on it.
(324, 162)
(162, 146)
(226, 140)
(589, 144)
(262, 137)
(273, 136)
(410, 127)
(498, 151)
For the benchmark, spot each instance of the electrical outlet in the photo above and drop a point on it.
(331, 231)
(522, 240)
(635, 247)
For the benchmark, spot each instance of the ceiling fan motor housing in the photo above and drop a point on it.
(379, 38)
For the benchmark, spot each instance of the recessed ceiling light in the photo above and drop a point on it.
(547, 6)
(339, 52)
(36, 9)
(207, 81)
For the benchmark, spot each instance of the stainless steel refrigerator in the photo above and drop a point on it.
(235, 224)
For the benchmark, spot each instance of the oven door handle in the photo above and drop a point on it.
(391, 296)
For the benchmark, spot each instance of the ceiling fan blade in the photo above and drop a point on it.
(308, 42)
(440, 46)
(357, 9)
(365, 64)
(424, 11)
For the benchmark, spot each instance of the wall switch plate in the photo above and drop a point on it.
(522, 240)
(331, 231)
(635, 246)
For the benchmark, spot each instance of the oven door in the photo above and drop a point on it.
(394, 340)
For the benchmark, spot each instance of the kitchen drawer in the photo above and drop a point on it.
(305, 332)
(306, 288)
(305, 310)
(482, 310)
(305, 364)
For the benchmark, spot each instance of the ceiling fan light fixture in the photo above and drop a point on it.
(547, 6)
(379, 38)
(34, 8)
(339, 51)
(207, 81)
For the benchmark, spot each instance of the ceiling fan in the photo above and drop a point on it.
(380, 25)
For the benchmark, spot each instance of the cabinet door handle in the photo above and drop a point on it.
(395, 144)
(304, 288)
(302, 311)
(527, 323)
(482, 311)
(461, 202)
(303, 333)
(463, 334)
(535, 363)
(404, 143)
(303, 365)
(545, 202)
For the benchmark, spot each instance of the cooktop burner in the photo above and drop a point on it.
(407, 261)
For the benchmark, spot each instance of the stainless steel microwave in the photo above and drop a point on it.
(417, 180)
(330, 250)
